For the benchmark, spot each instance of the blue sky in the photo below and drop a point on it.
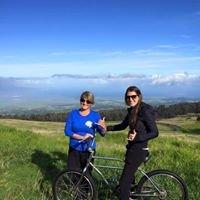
(39, 38)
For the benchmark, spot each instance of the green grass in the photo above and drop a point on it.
(33, 153)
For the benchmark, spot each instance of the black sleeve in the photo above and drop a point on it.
(150, 125)
(118, 127)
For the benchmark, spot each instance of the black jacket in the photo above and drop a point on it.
(145, 125)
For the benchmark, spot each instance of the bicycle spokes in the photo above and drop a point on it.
(162, 185)
(73, 186)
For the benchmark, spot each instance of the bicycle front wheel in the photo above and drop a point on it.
(162, 184)
(71, 185)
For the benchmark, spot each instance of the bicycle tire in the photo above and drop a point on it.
(66, 186)
(170, 184)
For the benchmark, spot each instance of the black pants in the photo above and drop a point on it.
(77, 160)
(134, 157)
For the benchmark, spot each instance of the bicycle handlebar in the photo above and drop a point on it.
(84, 140)
(90, 144)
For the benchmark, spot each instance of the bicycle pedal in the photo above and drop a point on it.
(133, 188)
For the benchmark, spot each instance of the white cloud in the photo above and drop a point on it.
(197, 13)
(166, 46)
(9, 57)
(157, 50)
(186, 36)
(179, 84)
(89, 53)
(181, 78)
(153, 52)
(162, 58)
(63, 79)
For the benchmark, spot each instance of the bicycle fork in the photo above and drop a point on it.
(75, 188)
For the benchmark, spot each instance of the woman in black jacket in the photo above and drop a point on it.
(142, 127)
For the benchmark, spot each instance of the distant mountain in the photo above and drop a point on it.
(65, 89)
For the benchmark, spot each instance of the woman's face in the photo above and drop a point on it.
(85, 104)
(132, 98)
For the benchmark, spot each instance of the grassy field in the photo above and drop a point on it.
(32, 153)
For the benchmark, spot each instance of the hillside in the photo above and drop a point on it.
(111, 113)
(32, 153)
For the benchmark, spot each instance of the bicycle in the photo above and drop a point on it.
(157, 184)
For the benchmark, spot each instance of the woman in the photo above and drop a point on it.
(142, 127)
(80, 127)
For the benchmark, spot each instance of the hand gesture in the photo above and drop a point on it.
(132, 135)
(102, 123)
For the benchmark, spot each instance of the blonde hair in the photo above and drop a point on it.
(88, 96)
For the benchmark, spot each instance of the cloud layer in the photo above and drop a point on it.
(99, 82)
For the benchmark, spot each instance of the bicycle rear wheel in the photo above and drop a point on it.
(71, 185)
(162, 184)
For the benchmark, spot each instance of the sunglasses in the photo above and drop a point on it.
(131, 97)
(82, 100)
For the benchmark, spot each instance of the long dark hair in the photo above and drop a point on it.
(134, 112)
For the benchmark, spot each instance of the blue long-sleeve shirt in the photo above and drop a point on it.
(76, 123)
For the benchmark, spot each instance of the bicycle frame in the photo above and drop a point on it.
(95, 168)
